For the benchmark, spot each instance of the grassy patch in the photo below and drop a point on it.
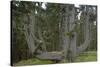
(33, 61)
(84, 57)
(87, 56)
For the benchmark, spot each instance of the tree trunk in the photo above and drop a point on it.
(29, 21)
(73, 36)
(65, 29)
(85, 44)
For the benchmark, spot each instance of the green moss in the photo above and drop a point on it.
(33, 61)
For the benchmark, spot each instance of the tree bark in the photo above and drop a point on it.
(84, 45)
(29, 21)
(65, 40)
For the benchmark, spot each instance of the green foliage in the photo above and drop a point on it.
(69, 34)
(19, 49)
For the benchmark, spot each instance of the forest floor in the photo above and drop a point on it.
(87, 56)
(84, 57)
